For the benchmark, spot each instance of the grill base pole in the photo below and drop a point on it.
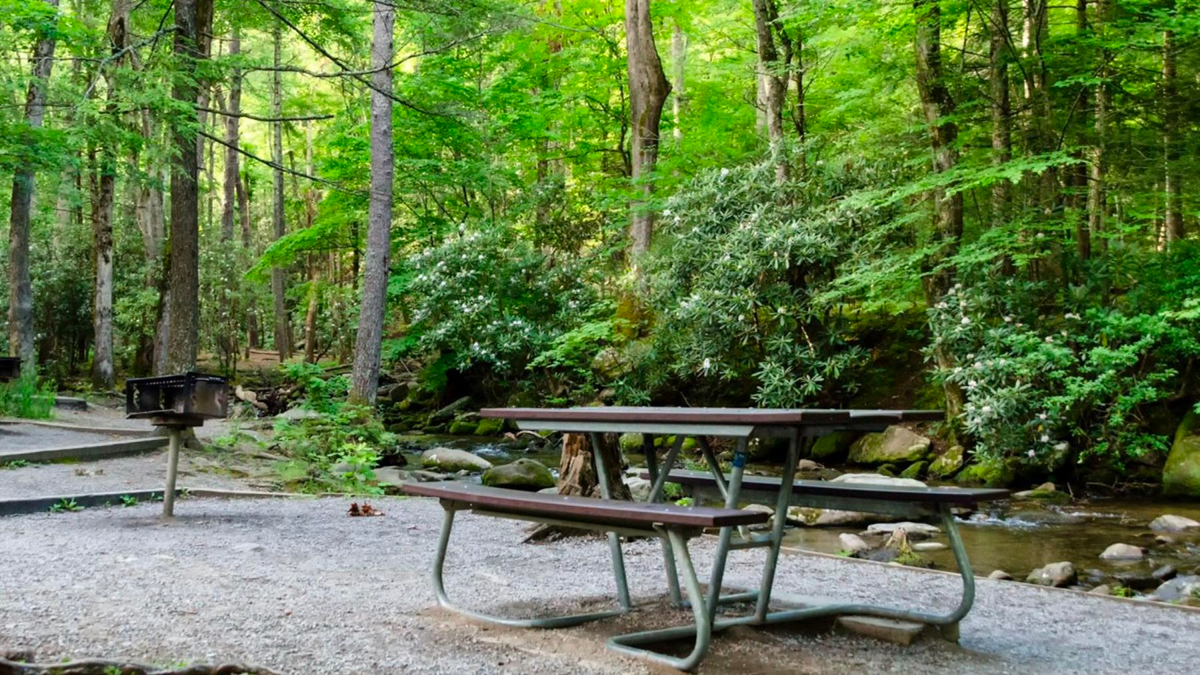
(172, 471)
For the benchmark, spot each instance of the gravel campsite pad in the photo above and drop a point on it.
(147, 471)
(297, 586)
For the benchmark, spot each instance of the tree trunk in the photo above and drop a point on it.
(648, 90)
(1001, 129)
(278, 227)
(577, 467)
(20, 286)
(1173, 212)
(800, 119)
(311, 197)
(102, 213)
(379, 239)
(1083, 239)
(1097, 190)
(948, 209)
(232, 134)
(679, 44)
(773, 67)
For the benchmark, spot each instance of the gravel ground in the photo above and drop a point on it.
(297, 586)
(146, 471)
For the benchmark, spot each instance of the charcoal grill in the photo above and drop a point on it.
(176, 402)
(10, 368)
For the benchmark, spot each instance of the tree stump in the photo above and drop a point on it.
(577, 477)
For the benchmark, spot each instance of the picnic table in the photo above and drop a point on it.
(675, 525)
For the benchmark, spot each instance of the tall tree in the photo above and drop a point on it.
(102, 208)
(20, 286)
(679, 45)
(1001, 125)
(1172, 181)
(233, 110)
(938, 106)
(278, 227)
(774, 65)
(368, 343)
(648, 90)
(1097, 187)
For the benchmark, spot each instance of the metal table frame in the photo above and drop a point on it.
(800, 438)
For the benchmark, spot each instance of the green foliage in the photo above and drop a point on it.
(65, 505)
(25, 398)
(1052, 373)
(350, 435)
(737, 285)
(128, 500)
(321, 392)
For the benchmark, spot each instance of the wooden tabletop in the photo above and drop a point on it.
(758, 417)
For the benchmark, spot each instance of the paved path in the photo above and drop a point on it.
(298, 586)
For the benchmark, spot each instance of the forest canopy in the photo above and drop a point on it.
(986, 207)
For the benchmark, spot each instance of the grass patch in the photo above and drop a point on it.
(25, 398)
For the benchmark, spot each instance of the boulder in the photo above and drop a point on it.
(390, 476)
(427, 476)
(1181, 473)
(1058, 575)
(832, 447)
(463, 427)
(448, 413)
(1122, 552)
(523, 474)
(996, 474)
(876, 479)
(948, 462)
(1000, 575)
(1179, 588)
(852, 543)
(489, 426)
(451, 460)
(1170, 523)
(1102, 589)
(630, 443)
(808, 465)
(1165, 573)
(1136, 581)
(896, 444)
(1046, 492)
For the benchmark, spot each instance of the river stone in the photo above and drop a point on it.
(1165, 573)
(523, 474)
(833, 446)
(297, 414)
(948, 462)
(639, 488)
(1170, 523)
(1136, 581)
(896, 444)
(1102, 589)
(1059, 575)
(427, 476)
(1178, 589)
(808, 465)
(929, 546)
(1181, 473)
(758, 508)
(852, 543)
(814, 517)
(451, 460)
(1000, 575)
(914, 530)
(1122, 552)
(914, 470)
(630, 443)
(463, 427)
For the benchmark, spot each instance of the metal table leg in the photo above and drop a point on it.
(614, 539)
(668, 553)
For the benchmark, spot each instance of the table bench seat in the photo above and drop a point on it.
(583, 510)
(953, 496)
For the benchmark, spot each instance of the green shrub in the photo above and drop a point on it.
(25, 398)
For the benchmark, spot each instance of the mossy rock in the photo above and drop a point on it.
(689, 443)
(994, 474)
(463, 427)
(489, 426)
(888, 470)
(895, 445)
(832, 447)
(523, 474)
(948, 462)
(630, 443)
(1181, 474)
(914, 470)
